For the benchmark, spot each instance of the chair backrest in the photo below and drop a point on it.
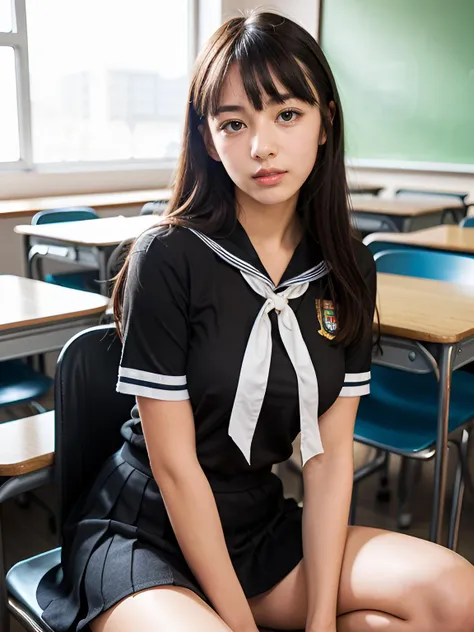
(154, 208)
(467, 222)
(378, 245)
(72, 214)
(427, 264)
(117, 258)
(88, 411)
(450, 194)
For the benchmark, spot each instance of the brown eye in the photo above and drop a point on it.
(288, 116)
(233, 126)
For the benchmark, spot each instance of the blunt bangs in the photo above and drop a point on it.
(261, 60)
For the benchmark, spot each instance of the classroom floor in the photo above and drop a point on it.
(26, 531)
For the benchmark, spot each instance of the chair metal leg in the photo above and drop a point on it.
(458, 492)
(4, 615)
(383, 493)
(441, 459)
(410, 474)
(352, 513)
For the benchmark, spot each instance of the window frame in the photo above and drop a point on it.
(18, 40)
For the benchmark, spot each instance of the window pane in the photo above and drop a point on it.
(108, 79)
(9, 137)
(5, 16)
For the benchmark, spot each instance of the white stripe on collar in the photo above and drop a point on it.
(312, 274)
(253, 378)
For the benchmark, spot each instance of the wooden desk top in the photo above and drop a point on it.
(444, 237)
(26, 302)
(401, 206)
(29, 206)
(27, 444)
(108, 231)
(425, 310)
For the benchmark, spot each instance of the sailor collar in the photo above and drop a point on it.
(237, 251)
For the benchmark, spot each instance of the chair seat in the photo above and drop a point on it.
(86, 281)
(400, 414)
(23, 580)
(20, 383)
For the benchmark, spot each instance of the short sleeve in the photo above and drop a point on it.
(358, 355)
(155, 322)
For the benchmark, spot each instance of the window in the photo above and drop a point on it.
(6, 16)
(106, 80)
(9, 145)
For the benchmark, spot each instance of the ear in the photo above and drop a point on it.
(332, 114)
(208, 142)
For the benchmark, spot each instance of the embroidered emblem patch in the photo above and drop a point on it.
(327, 318)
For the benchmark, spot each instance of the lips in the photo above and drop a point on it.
(269, 176)
(263, 173)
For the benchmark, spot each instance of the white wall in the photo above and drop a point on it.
(305, 12)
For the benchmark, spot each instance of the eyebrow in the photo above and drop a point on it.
(239, 108)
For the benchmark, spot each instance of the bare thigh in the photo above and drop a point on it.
(385, 572)
(161, 609)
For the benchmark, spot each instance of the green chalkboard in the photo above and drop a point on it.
(405, 72)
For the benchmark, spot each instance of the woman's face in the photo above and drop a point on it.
(282, 140)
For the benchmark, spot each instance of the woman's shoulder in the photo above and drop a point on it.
(163, 241)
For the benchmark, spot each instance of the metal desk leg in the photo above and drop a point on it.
(102, 258)
(26, 253)
(441, 458)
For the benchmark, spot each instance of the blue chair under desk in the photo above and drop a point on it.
(467, 222)
(400, 415)
(82, 280)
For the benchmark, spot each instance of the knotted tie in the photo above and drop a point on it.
(255, 369)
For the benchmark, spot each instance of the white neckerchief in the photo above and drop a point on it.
(255, 367)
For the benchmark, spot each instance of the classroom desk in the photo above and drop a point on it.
(87, 241)
(419, 316)
(37, 317)
(98, 201)
(364, 189)
(398, 214)
(446, 237)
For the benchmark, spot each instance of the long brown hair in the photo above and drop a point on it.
(266, 46)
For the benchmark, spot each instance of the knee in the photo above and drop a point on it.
(452, 601)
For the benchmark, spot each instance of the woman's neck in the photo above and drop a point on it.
(271, 227)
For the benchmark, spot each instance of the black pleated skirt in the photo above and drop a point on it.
(119, 540)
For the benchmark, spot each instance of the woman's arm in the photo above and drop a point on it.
(170, 438)
(327, 496)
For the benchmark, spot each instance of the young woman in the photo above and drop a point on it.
(246, 317)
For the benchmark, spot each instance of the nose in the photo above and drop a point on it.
(264, 145)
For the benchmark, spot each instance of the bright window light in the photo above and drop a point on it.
(108, 79)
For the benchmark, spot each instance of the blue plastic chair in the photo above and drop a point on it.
(154, 208)
(467, 222)
(21, 384)
(400, 414)
(83, 280)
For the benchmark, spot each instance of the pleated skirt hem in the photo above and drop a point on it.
(119, 541)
